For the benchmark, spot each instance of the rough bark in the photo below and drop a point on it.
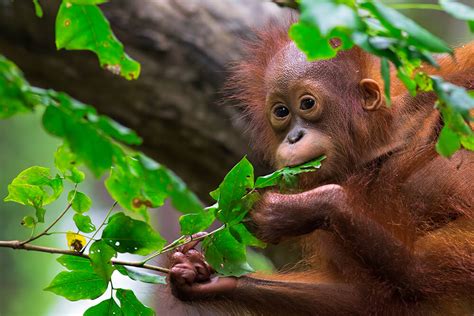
(184, 47)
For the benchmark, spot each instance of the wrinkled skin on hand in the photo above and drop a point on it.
(277, 216)
(269, 219)
(191, 276)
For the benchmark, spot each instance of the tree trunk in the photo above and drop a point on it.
(184, 47)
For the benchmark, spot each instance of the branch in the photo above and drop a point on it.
(16, 244)
(54, 222)
(179, 242)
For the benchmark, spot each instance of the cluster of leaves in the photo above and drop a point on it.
(137, 183)
(225, 250)
(89, 279)
(384, 32)
(81, 25)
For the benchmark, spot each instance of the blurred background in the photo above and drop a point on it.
(185, 48)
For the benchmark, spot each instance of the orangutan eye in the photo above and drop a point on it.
(281, 111)
(307, 103)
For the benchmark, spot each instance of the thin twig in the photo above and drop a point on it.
(16, 244)
(175, 244)
(101, 225)
(44, 232)
(65, 233)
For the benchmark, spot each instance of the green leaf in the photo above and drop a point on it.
(423, 82)
(125, 234)
(38, 9)
(30, 188)
(101, 254)
(90, 146)
(458, 10)
(407, 81)
(75, 241)
(84, 27)
(81, 203)
(117, 131)
(131, 306)
(75, 263)
(328, 16)
(455, 96)
(65, 160)
(225, 254)
(87, 2)
(15, 92)
(105, 308)
(182, 199)
(448, 142)
(322, 21)
(139, 182)
(259, 262)
(310, 41)
(141, 276)
(277, 176)
(400, 27)
(83, 223)
(467, 141)
(385, 72)
(78, 285)
(245, 237)
(197, 222)
(28, 222)
(238, 182)
(137, 188)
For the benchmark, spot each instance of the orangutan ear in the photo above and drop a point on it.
(372, 93)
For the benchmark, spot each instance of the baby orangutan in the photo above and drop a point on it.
(386, 223)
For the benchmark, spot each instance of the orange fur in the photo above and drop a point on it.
(421, 203)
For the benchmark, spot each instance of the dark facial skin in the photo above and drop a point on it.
(294, 106)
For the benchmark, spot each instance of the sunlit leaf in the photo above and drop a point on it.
(28, 222)
(84, 27)
(66, 161)
(101, 254)
(448, 142)
(35, 187)
(197, 222)
(75, 241)
(130, 304)
(105, 308)
(310, 41)
(77, 285)
(125, 234)
(81, 203)
(75, 263)
(83, 223)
